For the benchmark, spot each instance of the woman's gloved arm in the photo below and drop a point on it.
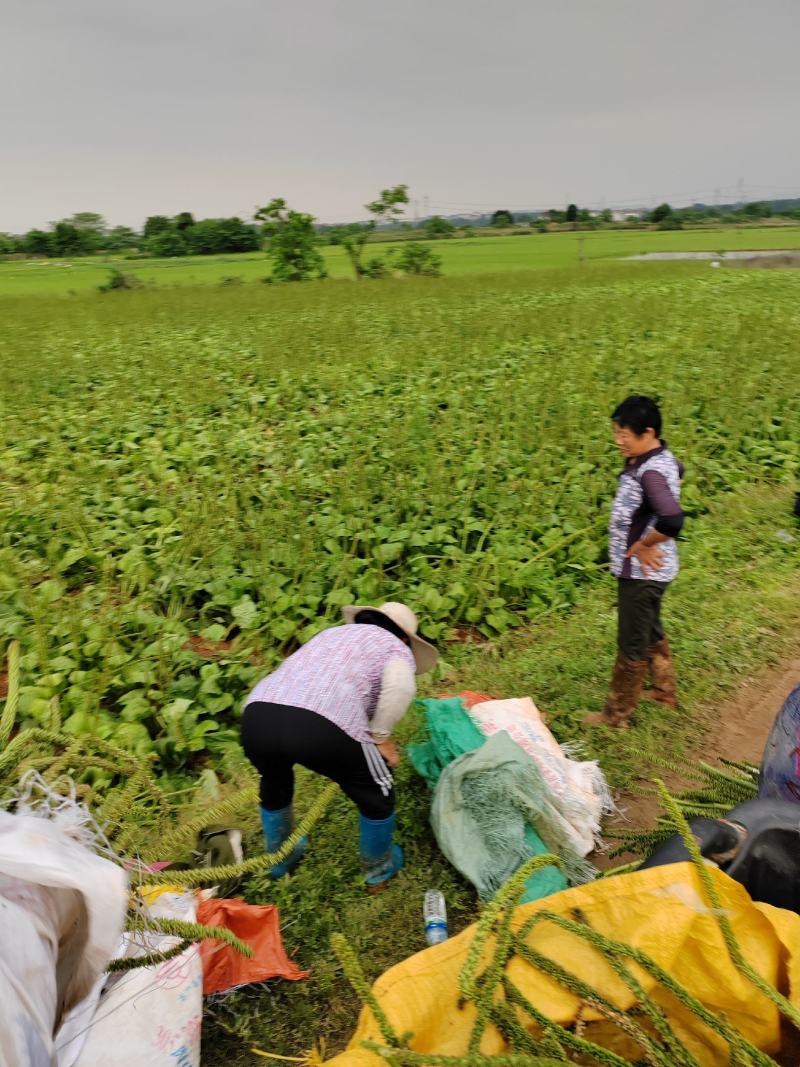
(398, 689)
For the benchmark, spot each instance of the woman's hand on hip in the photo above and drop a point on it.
(650, 557)
(390, 752)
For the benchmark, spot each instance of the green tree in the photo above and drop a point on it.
(8, 244)
(69, 240)
(79, 235)
(38, 243)
(210, 237)
(293, 242)
(660, 213)
(757, 210)
(417, 258)
(88, 220)
(438, 227)
(502, 217)
(671, 222)
(343, 234)
(389, 205)
(120, 238)
(117, 280)
(166, 244)
(606, 215)
(92, 226)
(156, 224)
(571, 214)
(183, 221)
(387, 208)
(376, 267)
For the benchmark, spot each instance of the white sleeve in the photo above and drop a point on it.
(398, 689)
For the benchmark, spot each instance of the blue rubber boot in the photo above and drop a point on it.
(380, 857)
(278, 825)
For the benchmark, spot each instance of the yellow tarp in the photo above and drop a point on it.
(661, 911)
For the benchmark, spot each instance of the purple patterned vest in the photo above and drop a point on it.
(337, 674)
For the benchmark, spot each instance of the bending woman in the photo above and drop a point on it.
(331, 707)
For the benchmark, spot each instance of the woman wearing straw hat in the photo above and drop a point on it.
(331, 707)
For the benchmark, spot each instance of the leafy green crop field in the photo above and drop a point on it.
(477, 255)
(194, 479)
(238, 464)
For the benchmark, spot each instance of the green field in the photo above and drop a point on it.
(478, 255)
(233, 463)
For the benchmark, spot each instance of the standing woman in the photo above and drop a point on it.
(331, 707)
(646, 518)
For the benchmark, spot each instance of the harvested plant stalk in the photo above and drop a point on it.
(535, 1039)
(124, 810)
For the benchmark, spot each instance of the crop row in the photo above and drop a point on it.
(182, 504)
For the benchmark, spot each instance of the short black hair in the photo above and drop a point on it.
(638, 413)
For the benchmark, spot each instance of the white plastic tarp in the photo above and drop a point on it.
(62, 909)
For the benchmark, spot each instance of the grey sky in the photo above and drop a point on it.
(215, 106)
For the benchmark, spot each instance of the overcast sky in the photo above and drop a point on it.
(216, 106)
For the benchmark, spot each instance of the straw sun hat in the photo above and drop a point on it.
(425, 655)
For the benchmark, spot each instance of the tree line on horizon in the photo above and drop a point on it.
(87, 233)
(291, 239)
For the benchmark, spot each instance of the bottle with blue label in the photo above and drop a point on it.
(435, 913)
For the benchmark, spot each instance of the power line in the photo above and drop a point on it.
(705, 195)
(718, 195)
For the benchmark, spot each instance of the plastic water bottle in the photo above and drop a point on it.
(435, 913)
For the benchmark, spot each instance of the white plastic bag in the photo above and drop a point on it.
(579, 789)
(62, 909)
(150, 1016)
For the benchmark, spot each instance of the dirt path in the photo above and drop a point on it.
(736, 729)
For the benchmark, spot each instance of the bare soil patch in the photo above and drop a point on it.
(206, 649)
(737, 729)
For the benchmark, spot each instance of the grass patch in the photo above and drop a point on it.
(470, 255)
(734, 608)
(195, 478)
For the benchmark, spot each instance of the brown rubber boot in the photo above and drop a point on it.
(662, 673)
(623, 695)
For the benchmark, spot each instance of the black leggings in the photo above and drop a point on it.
(276, 736)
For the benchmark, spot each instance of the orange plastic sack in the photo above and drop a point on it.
(259, 927)
(469, 697)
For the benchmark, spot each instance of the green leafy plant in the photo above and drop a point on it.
(118, 280)
(161, 548)
(293, 243)
(417, 258)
